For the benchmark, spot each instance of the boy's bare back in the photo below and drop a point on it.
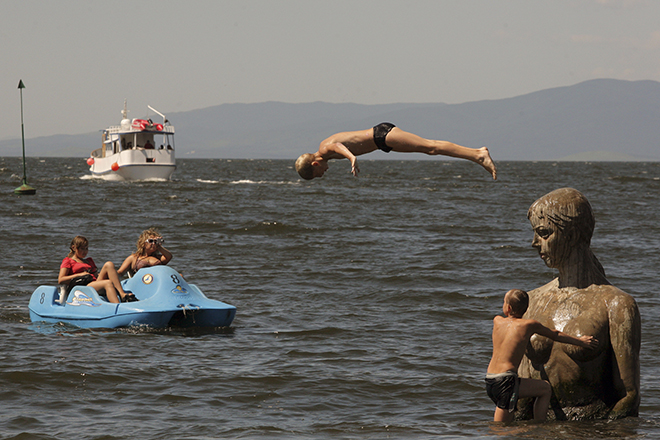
(510, 338)
(357, 142)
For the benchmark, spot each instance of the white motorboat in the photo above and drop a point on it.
(137, 149)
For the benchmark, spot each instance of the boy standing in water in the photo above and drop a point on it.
(385, 137)
(511, 334)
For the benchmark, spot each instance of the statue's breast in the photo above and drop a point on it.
(574, 313)
(539, 350)
(591, 321)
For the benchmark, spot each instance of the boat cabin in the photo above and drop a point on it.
(137, 134)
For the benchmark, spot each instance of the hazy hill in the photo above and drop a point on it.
(594, 120)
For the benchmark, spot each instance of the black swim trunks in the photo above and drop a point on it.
(380, 132)
(502, 389)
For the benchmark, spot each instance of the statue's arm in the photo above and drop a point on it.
(625, 335)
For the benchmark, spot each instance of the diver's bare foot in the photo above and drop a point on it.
(485, 161)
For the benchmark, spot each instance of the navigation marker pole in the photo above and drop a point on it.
(24, 188)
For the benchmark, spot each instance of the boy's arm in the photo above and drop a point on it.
(556, 335)
(341, 150)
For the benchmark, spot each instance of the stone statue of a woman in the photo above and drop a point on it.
(598, 383)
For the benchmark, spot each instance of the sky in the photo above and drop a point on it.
(80, 59)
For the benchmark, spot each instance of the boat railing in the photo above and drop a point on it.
(169, 150)
(115, 129)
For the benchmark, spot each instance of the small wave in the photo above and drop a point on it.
(262, 182)
(207, 181)
(630, 179)
(264, 226)
(154, 179)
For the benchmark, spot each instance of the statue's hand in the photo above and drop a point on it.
(626, 407)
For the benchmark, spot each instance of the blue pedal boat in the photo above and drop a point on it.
(165, 299)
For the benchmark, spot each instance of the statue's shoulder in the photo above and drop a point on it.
(550, 287)
(611, 293)
(618, 302)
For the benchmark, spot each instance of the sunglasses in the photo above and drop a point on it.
(155, 240)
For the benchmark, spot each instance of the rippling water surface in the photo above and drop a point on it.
(364, 305)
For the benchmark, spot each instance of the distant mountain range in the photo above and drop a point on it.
(603, 119)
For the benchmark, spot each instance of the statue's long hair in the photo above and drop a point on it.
(570, 211)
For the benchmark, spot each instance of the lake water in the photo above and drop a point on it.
(364, 305)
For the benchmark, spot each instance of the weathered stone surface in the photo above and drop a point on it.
(587, 384)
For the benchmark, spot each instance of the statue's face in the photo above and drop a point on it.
(547, 241)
